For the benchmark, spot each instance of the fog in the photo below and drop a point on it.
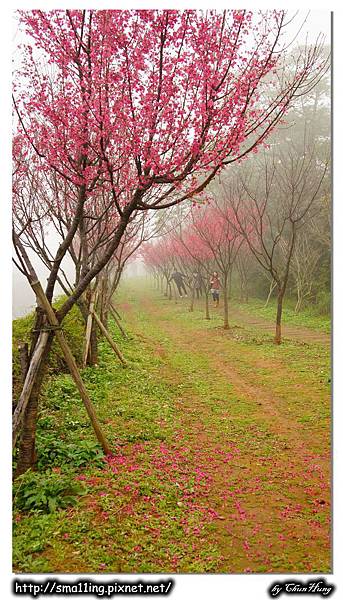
(23, 298)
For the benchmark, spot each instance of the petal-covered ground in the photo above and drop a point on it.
(221, 452)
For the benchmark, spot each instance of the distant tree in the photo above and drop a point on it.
(217, 230)
(272, 198)
(303, 266)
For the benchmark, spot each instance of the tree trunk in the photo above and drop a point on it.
(299, 301)
(93, 346)
(105, 313)
(277, 339)
(90, 354)
(282, 288)
(207, 309)
(271, 289)
(106, 292)
(24, 360)
(226, 304)
(27, 446)
(191, 307)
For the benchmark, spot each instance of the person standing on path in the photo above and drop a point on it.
(215, 287)
(198, 284)
(178, 278)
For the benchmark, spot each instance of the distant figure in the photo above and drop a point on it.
(198, 284)
(215, 287)
(178, 278)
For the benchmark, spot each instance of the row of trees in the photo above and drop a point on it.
(119, 115)
(269, 216)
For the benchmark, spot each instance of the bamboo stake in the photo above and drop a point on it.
(109, 339)
(71, 364)
(28, 384)
(89, 327)
(117, 321)
(116, 312)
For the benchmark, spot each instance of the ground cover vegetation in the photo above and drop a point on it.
(200, 438)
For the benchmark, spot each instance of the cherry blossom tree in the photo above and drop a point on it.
(217, 229)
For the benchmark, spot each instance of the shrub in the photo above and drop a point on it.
(53, 451)
(46, 492)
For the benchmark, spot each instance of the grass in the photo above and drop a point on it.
(305, 318)
(137, 408)
(220, 453)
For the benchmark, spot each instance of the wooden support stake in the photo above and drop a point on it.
(109, 339)
(112, 309)
(28, 384)
(89, 327)
(116, 312)
(71, 365)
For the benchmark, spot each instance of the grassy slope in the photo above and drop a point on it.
(220, 458)
(306, 317)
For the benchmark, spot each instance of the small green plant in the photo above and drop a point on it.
(54, 451)
(85, 452)
(46, 492)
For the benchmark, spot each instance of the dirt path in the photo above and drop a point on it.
(266, 473)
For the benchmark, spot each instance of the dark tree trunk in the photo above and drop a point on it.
(226, 303)
(27, 446)
(271, 289)
(207, 309)
(282, 288)
(93, 346)
(105, 313)
(191, 307)
(281, 293)
(24, 360)
(92, 356)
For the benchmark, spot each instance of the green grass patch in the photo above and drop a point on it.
(305, 318)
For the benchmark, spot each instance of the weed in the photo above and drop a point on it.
(45, 492)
